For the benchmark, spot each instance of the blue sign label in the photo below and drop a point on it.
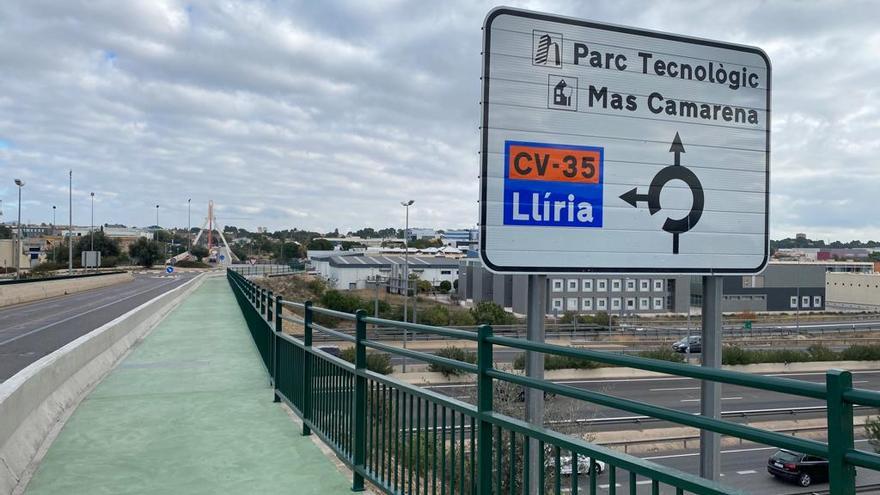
(553, 185)
(222, 257)
(170, 269)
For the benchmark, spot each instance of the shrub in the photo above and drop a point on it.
(191, 264)
(445, 286)
(377, 362)
(559, 363)
(861, 353)
(663, 354)
(454, 353)
(48, 266)
(489, 313)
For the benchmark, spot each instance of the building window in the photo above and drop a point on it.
(615, 285)
(658, 285)
(601, 304)
(557, 303)
(587, 285)
(445, 272)
(805, 301)
(644, 303)
(572, 304)
(630, 285)
(602, 285)
(557, 285)
(817, 301)
(572, 285)
(630, 303)
(644, 285)
(615, 303)
(658, 303)
(793, 302)
(587, 304)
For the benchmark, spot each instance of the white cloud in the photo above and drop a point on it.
(326, 114)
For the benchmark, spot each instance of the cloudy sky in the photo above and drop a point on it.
(324, 115)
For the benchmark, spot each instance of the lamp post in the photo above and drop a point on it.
(20, 184)
(53, 233)
(70, 230)
(406, 205)
(92, 225)
(188, 225)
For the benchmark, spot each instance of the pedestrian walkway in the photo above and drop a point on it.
(189, 411)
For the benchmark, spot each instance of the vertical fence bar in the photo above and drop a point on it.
(841, 476)
(275, 353)
(360, 400)
(484, 406)
(306, 386)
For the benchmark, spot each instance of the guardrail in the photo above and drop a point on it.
(406, 439)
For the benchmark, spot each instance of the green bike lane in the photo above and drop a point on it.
(188, 411)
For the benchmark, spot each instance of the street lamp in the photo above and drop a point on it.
(53, 233)
(156, 232)
(70, 231)
(406, 205)
(92, 225)
(20, 184)
(188, 226)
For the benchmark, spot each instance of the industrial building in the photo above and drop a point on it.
(782, 286)
(860, 291)
(357, 271)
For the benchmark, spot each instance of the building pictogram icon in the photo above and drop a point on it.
(677, 171)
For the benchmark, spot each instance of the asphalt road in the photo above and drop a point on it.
(33, 330)
(682, 394)
(741, 467)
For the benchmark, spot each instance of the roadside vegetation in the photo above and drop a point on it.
(454, 353)
(377, 362)
(737, 355)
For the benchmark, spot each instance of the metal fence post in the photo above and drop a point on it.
(360, 402)
(841, 476)
(275, 358)
(306, 385)
(484, 406)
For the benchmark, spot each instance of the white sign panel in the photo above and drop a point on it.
(613, 149)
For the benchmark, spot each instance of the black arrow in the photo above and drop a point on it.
(677, 148)
(633, 197)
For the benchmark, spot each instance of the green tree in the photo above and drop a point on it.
(106, 245)
(445, 286)
(289, 251)
(320, 245)
(199, 252)
(145, 252)
(489, 313)
(5, 232)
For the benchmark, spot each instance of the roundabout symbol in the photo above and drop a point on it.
(675, 226)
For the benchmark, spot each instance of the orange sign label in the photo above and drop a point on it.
(558, 164)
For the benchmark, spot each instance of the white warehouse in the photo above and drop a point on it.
(353, 272)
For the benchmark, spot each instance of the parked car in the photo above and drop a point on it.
(583, 466)
(693, 343)
(801, 468)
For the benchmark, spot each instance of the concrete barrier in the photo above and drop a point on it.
(19, 293)
(36, 401)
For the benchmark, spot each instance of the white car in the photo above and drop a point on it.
(583, 466)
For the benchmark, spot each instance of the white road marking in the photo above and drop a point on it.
(674, 389)
(643, 482)
(40, 329)
(747, 471)
(606, 486)
(731, 451)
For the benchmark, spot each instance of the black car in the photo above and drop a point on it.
(801, 468)
(694, 343)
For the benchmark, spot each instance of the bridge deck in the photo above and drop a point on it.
(189, 411)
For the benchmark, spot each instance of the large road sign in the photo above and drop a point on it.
(614, 149)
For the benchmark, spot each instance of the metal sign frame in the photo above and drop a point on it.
(632, 196)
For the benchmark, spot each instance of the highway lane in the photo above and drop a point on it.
(741, 467)
(33, 330)
(677, 393)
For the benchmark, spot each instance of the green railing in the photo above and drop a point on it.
(409, 440)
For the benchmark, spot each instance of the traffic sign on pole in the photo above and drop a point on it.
(169, 269)
(614, 149)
